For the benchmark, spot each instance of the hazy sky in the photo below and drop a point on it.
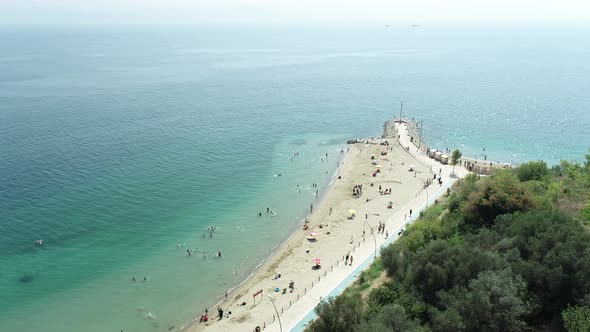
(293, 11)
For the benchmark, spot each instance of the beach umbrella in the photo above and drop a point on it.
(313, 234)
(412, 167)
(351, 211)
(317, 261)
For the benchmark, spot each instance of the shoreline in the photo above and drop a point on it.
(356, 168)
(194, 325)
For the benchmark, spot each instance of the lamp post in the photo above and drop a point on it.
(426, 188)
(374, 238)
(279, 317)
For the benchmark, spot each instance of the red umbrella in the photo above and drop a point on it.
(317, 261)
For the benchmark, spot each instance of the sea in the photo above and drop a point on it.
(122, 147)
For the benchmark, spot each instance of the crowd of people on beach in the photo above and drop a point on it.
(357, 190)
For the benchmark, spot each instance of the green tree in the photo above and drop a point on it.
(494, 301)
(342, 313)
(534, 170)
(449, 320)
(455, 158)
(585, 212)
(499, 194)
(576, 319)
(462, 190)
(441, 265)
(391, 317)
(554, 260)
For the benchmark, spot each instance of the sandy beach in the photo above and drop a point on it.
(337, 235)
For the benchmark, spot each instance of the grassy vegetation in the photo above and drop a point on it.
(508, 252)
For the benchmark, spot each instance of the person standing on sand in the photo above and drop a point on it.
(310, 208)
(346, 259)
(350, 261)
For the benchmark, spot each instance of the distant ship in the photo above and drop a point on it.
(415, 25)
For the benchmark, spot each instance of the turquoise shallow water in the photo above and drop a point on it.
(119, 143)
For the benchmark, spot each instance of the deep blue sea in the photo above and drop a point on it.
(121, 145)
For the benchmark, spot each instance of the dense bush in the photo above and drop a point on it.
(342, 313)
(495, 196)
(576, 319)
(534, 170)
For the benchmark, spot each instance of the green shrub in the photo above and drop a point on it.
(576, 319)
(534, 170)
